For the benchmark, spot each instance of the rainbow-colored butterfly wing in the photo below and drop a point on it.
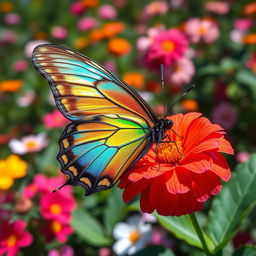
(111, 124)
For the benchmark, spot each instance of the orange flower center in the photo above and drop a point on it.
(55, 209)
(170, 152)
(56, 226)
(11, 240)
(31, 145)
(201, 30)
(168, 46)
(134, 236)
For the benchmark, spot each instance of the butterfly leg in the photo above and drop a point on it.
(170, 141)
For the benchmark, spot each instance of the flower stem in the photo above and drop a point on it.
(199, 233)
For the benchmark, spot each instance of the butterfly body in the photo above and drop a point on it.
(111, 127)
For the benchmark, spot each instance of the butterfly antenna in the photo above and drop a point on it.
(163, 87)
(66, 183)
(181, 96)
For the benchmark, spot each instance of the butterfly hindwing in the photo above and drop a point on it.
(95, 153)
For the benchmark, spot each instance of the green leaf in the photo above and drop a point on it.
(234, 203)
(183, 229)
(89, 228)
(247, 78)
(247, 250)
(154, 251)
(114, 210)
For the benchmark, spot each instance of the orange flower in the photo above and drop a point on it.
(81, 43)
(40, 35)
(97, 35)
(249, 39)
(184, 174)
(6, 6)
(250, 9)
(135, 79)
(89, 3)
(10, 85)
(119, 46)
(111, 29)
(189, 105)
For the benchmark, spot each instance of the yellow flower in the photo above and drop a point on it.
(11, 168)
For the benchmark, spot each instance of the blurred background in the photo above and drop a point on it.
(207, 43)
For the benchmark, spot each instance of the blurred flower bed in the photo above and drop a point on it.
(207, 43)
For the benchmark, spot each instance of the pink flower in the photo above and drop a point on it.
(20, 65)
(12, 19)
(54, 120)
(242, 156)
(59, 32)
(77, 8)
(44, 184)
(57, 206)
(7, 36)
(29, 47)
(104, 251)
(65, 250)
(182, 72)
(13, 236)
(167, 47)
(26, 98)
(204, 30)
(87, 23)
(55, 229)
(143, 43)
(28, 144)
(107, 12)
(155, 8)
(243, 24)
(225, 115)
(218, 7)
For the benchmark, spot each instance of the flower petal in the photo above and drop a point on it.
(174, 183)
(220, 166)
(122, 230)
(122, 246)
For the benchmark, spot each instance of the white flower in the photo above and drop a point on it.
(27, 144)
(131, 236)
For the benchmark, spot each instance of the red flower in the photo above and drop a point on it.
(13, 236)
(57, 230)
(184, 174)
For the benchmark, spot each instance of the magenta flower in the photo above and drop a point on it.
(12, 19)
(44, 184)
(65, 250)
(225, 115)
(59, 32)
(107, 12)
(201, 30)
(77, 8)
(167, 47)
(56, 206)
(87, 23)
(20, 65)
(13, 236)
(54, 120)
(182, 72)
(242, 156)
(57, 230)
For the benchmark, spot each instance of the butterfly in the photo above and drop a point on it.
(111, 127)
